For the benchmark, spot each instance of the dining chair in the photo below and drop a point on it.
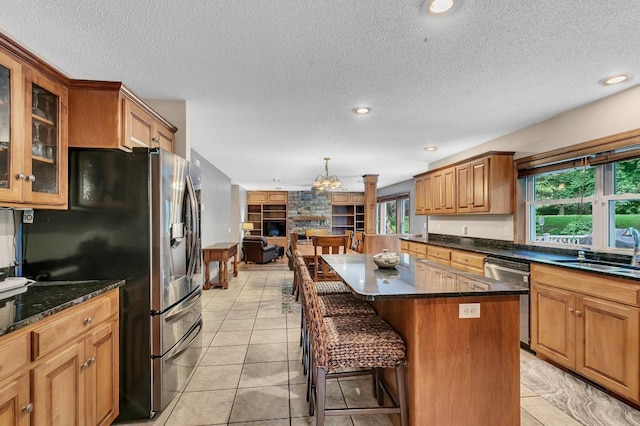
(327, 244)
(311, 232)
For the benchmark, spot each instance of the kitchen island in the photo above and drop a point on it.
(461, 332)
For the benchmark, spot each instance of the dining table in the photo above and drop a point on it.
(461, 332)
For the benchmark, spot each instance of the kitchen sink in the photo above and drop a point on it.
(599, 265)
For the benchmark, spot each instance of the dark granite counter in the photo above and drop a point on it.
(544, 255)
(368, 282)
(34, 302)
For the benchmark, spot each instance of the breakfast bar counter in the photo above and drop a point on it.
(461, 332)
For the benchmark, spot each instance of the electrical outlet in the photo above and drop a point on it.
(27, 216)
(469, 310)
(464, 229)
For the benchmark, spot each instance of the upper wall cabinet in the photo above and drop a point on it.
(106, 114)
(33, 131)
(483, 184)
(267, 197)
(347, 198)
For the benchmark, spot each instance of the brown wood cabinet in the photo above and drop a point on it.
(267, 197)
(267, 211)
(468, 261)
(15, 405)
(347, 198)
(423, 194)
(33, 131)
(588, 323)
(347, 212)
(70, 375)
(439, 254)
(483, 184)
(417, 249)
(105, 114)
(443, 187)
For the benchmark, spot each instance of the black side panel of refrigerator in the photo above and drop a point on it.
(105, 234)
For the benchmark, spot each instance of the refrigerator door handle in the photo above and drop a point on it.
(184, 309)
(194, 228)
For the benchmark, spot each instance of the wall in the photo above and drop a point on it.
(177, 113)
(216, 203)
(417, 224)
(613, 114)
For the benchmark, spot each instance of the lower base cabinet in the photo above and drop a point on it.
(593, 336)
(15, 407)
(72, 384)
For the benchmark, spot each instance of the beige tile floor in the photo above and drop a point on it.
(250, 372)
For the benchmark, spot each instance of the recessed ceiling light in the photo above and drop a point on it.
(362, 110)
(431, 148)
(437, 7)
(608, 81)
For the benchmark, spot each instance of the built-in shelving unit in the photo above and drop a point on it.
(347, 212)
(267, 211)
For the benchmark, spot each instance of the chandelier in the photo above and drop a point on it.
(326, 182)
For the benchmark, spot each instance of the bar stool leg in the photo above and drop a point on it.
(377, 390)
(321, 395)
(310, 378)
(402, 395)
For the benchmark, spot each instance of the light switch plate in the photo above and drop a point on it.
(469, 310)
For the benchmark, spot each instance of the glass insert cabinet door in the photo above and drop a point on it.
(46, 119)
(11, 128)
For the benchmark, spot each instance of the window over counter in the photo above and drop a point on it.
(588, 201)
(393, 214)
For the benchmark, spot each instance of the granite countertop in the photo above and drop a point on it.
(30, 304)
(368, 282)
(542, 255)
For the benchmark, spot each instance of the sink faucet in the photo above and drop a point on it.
(632, 232)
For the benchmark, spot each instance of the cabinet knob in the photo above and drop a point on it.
(92, 360)
(21, 176)
(27, 409)
(570, 310)
(578, 313)
(88, 321)
(31, 178)
(84, 365)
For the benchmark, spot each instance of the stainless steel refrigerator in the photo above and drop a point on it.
(133, 216)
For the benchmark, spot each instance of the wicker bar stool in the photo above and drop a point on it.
(349, 342)
(331, 304)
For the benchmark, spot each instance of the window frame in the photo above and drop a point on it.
(400, 200)
(602, 214)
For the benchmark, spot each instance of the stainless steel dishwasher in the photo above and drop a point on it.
(513, 272)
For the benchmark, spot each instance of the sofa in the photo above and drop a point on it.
(258, 250)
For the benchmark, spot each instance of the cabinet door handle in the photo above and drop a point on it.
(92, 360)
(578, 313)
(570, 310)
(84, 365)
(31, 178)
(27, 409)
(88, 321)
(21, 176)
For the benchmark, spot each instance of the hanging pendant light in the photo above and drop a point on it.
(326, 182)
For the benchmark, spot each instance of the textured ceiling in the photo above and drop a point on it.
(270, 85)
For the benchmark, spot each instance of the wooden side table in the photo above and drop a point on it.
(220, 252)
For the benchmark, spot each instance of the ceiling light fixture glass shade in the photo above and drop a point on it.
(608, 81)
(361, 110)
(436, 7)
(326, 182)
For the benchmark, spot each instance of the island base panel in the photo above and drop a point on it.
(459, 371)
